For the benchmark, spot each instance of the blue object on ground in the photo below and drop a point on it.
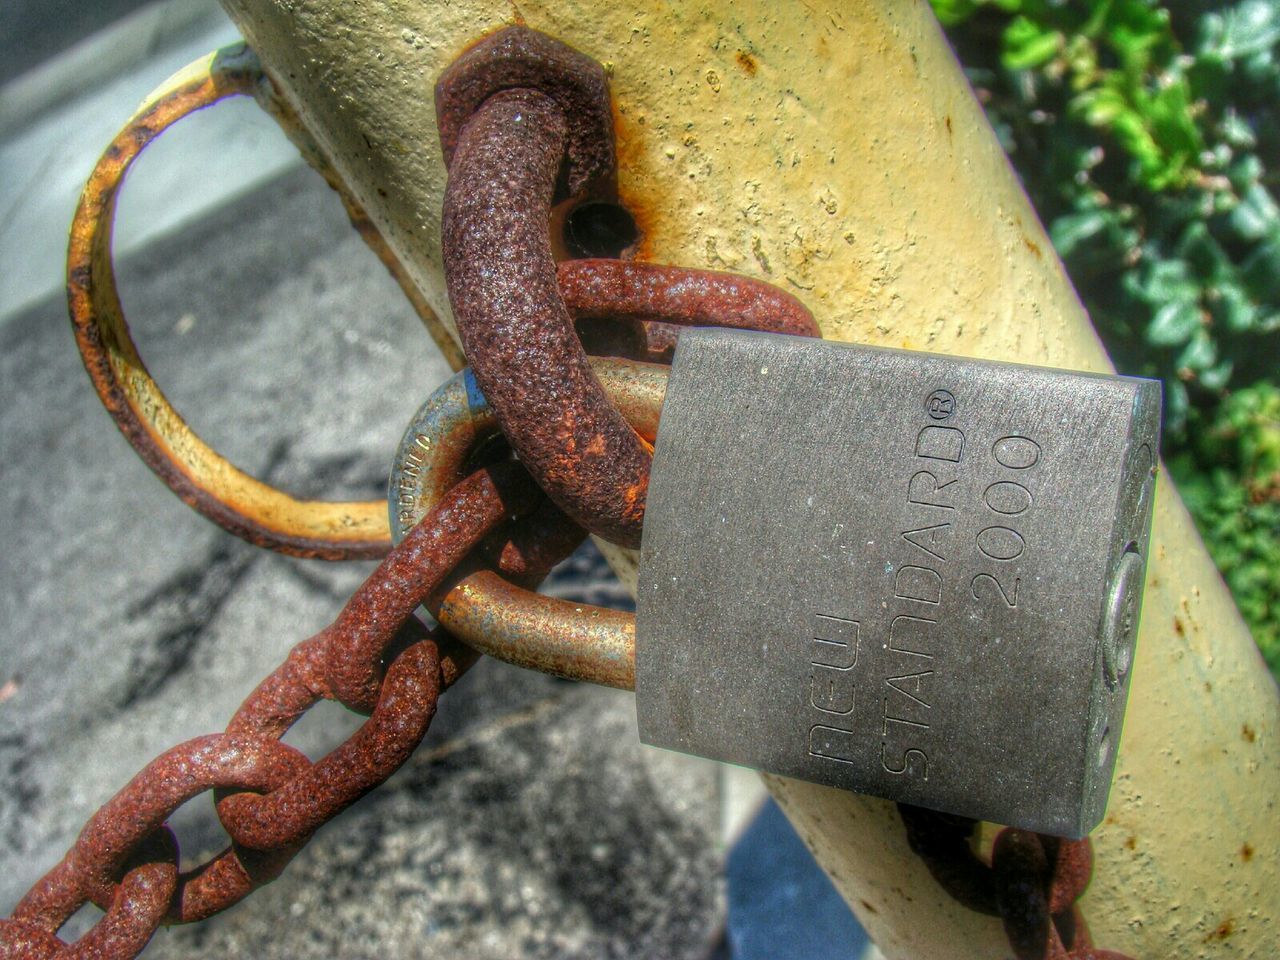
(781, 905)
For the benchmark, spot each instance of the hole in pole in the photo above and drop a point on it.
(599, 229)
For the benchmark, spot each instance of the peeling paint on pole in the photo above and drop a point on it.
(836, 150)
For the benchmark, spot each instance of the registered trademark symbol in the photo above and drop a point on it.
(940, 404)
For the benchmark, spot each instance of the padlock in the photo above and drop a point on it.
(903, 574)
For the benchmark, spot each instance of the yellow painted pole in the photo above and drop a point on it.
(835, 149)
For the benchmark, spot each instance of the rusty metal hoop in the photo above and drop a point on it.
(198, 474)
(480, 607)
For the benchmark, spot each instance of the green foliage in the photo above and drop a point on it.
(1143, 133)
(1230, 479)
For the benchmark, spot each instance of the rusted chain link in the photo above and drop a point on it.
(664, 298)
(1032, 883)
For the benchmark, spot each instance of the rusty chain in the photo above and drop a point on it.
(1032, 883)
(523, 120)
(376, 658)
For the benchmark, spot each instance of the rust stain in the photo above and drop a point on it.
(629, 136)
(746, 62)
(1131, 843)
(1187, 611)
(1246, 852)
(1033, 247)
(1178, 628)
(1249, 734)
(1221, 931)
(947, 121)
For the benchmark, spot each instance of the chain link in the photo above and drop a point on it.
(1032, 883)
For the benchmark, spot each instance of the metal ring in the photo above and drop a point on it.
(515, 329)
(198, 474)
(521, 116)
(479, 607)
(453, 420)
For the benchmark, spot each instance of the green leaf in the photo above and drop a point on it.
(1215, 378)
(1170, 116)
(1101, 107)
(1248, 28)
(1200, 354)
(1027, 44)
(1072, 231)
(1174, 324)
(1239, 313)
(1168, 280)
(1246, 171)
(1261, 273)
(951, 13)
(1257, 215)
(1236, 131)
(1176, 404)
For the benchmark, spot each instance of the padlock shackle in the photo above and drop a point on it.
(577, 641)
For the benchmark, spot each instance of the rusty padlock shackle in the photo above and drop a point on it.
(479, 606)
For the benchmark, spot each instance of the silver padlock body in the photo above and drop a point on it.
(899, 573)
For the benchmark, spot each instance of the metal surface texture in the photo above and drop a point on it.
(903, 574)
(517, 58)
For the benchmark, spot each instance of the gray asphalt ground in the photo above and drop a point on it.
(49, 27)
(530, 824)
